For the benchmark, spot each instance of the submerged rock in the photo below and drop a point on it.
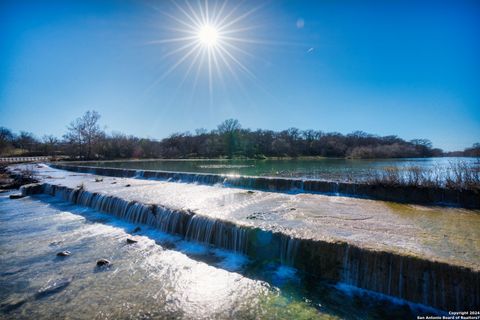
(103, 262)
(52, 288)
(137, 229)
(130, 241)
(12, 305)
(16, 196)
(65, 253)
(12, 272)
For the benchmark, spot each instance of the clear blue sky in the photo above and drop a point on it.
(408, 68)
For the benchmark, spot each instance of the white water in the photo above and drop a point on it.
(145, 280)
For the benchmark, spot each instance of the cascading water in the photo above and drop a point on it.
(422, 195)
(217, 233)
(433, 283)
(288, 250)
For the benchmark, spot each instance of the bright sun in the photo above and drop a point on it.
(211, 36)
(208, 35)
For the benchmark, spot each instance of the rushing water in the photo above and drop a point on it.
(329, 169)
(161, 276)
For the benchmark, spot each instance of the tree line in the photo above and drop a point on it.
(85, 139)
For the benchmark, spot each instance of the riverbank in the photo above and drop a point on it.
(393, 249)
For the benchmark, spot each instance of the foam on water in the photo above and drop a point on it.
(231, 261)
(145, 279)
(353, 291)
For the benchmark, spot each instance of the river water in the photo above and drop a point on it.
(327, 168)
(160, 276)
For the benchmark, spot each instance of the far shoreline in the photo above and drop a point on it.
(306, 158)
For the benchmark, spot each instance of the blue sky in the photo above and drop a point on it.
(408, 68)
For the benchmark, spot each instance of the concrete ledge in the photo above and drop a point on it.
(437, 284)
(418, 195)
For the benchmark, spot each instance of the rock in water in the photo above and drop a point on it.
(65, 253)
(12, 305)
(16, 196)
(137, 229)
(52, 288)
(103, 262)
(130, 241)
(127, 185)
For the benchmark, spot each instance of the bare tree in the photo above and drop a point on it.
(229, 126)
(84, 132)
(6, 139)
(229, 130)
(50, 144)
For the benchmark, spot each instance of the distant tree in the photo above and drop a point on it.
(229, 130)
(473, 151)
(229, 126)
(50, 145)
(6, 139)
(27, 143)
(84, 133)
(201, 131)
(85, 139)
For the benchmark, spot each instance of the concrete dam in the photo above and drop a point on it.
(422, 254)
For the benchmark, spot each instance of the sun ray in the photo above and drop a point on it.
(239, 18)
(210, 88)
(198, 19)
(219, 13)
(184, 23)
(193, 18)
(212, 36)
(238, 30)
(172, 40)
(238, 49)
(228, 15)
(190, 67)
(172, 68)
(242, 67)
(262, 42)
(180, 49)
(207, 19)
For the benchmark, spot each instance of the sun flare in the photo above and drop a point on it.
(208, 35)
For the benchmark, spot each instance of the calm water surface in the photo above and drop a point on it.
(160, 277)
(329, 169)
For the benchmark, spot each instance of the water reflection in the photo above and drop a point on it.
(317, 168)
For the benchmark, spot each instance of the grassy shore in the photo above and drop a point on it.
(458, 176)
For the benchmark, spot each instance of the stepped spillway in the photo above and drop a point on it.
(426, 255)
(401, 194)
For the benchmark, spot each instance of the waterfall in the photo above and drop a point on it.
(424, 195)
(411, 278)
(218, 233)
(441, 285)
(288, 249)
(139, 174)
